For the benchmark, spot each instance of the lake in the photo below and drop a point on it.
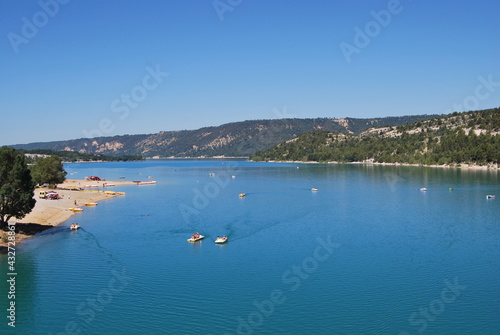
(368, 253)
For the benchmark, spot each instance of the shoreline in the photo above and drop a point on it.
(50, 213)
(197, 158)
(491, 167)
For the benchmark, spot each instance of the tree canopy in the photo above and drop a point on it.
(16, 186)
(75, 156)
(48, 170)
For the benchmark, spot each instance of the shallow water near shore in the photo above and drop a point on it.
(368, 253)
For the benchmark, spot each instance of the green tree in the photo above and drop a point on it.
(48, 170)
(16, 186)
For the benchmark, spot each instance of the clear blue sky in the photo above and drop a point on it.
(72, 75)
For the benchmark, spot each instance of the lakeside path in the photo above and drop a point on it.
(54, 212)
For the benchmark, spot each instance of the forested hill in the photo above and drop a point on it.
(238, 139)
(468, 137)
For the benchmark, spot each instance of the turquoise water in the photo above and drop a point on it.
(368, 253)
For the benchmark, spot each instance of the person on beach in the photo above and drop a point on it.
(75, 202)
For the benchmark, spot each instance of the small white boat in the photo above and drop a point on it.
(423, 189)
(242, 195)
(74, 226)
(314, 189)
(221, 240)
(490, 196)
(196, 238)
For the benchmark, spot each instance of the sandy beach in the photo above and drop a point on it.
(53, 212)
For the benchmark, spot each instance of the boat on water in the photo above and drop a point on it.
(196, 238)
(423, 189)
(241, 195)
(146, 182)
(88, 204)
(490, 196)
(76, 209)
(221, 239)
(74, 226)
(314, 189)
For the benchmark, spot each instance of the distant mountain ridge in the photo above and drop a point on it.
(237, 139)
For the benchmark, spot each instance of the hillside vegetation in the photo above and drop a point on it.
(238, 139)
(468, 137)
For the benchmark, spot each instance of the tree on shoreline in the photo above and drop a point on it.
(48, 170)
(16, 186)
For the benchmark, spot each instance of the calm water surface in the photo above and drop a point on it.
(368, 253)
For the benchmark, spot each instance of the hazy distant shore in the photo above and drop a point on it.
(197, 158)
(54, 212)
